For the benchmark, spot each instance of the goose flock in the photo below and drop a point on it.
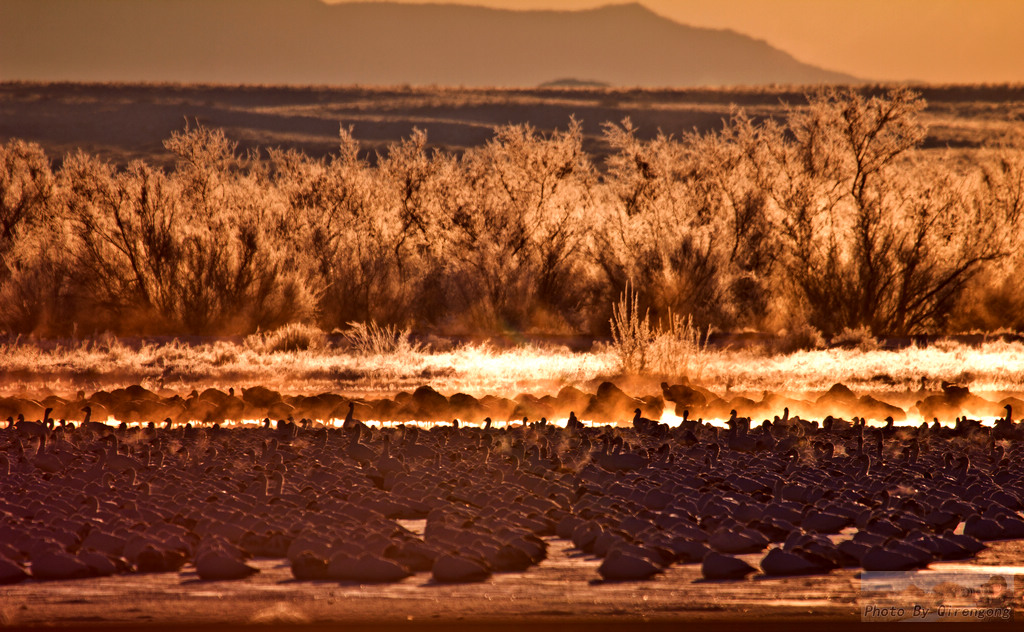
(159, 494)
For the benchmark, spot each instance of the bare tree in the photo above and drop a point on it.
(26, 185)
(834, 216)
(516, 233)
(872, 237)
(686, 221)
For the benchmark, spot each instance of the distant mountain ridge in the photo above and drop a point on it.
(377, 43)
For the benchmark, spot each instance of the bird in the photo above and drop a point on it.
(350, 420)
(356, 450)
(46, 461)
(89, 424)
(1003, 428)
(386, 462)
(643, 424)
(617, 460)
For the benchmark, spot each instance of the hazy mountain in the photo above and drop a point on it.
(309, 42)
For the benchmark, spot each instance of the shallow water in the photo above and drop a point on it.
(565, 585)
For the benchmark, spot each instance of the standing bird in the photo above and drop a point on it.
(88, 423)
(350, 420)
(1003, 428)
(573, 423)
(643, 424)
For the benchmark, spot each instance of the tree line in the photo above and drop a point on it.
(833, 218)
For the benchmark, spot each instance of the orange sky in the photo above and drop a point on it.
(958, 41)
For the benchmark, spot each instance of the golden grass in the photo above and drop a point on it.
(481, 369)
(990, 367)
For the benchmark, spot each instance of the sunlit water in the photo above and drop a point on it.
(565, 584)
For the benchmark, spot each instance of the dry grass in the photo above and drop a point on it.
(290, 337)
(380, 340)
(675, 349)
(990, 367)
(680, 350)
(35, 369)
(181, 366)
(632, 336)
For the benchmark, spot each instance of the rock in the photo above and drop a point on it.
(464, 406)
(620, 566)
(11, 573)
(611, 404)
(983, 529)
(717, 566)
(429, 405)
(880, 559)
(260, 397)
(413, 555)
(49, 565)
(571, 398)
(840, 395)
(454, 568)
(306, 566)
(99, 564)
(727, 540)
(218, 565)
(372, 569)
(779, 563)
(688, 551)
(684, 396)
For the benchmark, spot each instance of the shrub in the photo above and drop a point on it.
(834, 215)
(632, 336)
(26, 185)
(674, 349)
(35, 292)
(513, 239)
(290, 337)
(859, 338)
(872, 237)
(373, 339)
(679, 350)
(799, 337)
(947, 345)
